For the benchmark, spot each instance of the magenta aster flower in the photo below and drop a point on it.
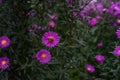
(117, 51)
(4, 41)
(50, 39)
(99, 58)
(51, 23)
(90, 68)
(118, 33)
(4, 62)
(114, 8)
(92, 22)
(43, 56)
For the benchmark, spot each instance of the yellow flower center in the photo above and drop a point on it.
(43, 56)
(118, 21)
(50, 38)
(119, 52)
(88, 69)
(3, 63)
(3, 42)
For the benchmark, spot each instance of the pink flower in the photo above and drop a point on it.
(43, 56)
(4, 62)
(116, 51)
(51, 23)
(50, 39)
(4, 42)
(90, 68)
(92, 22)
(99, 58)
(118, 33)
(114, 8)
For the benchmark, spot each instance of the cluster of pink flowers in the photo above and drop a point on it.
(49, 39)
(117, 48)
(116, 8)
(98, 57)
(115, 11)
(35, 27)
(112, 9)
(94, 10)
(4, 61)
(92, 13)
(53, 18)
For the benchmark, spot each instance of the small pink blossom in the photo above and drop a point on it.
(51, 23)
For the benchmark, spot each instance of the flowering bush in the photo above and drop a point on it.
(59, 40)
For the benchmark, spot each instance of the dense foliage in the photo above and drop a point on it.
(71, 34)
